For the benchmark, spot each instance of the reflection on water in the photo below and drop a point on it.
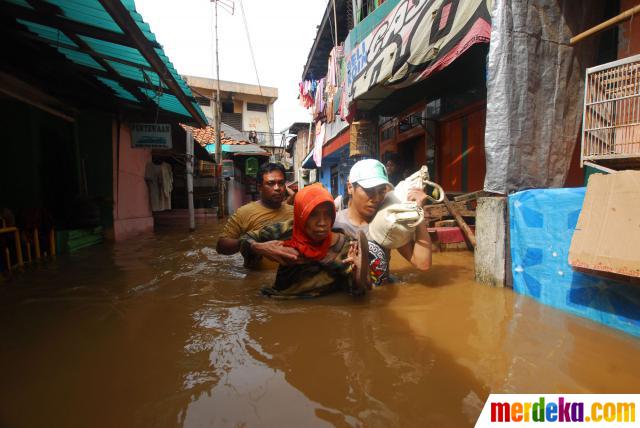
(164, 332)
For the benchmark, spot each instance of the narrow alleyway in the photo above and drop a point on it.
(162, 331)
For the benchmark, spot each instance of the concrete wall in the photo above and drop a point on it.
(255, 120)
(131, 208)
(491, 236)
(236, 87)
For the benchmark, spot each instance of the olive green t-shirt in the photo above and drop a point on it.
(254, 216)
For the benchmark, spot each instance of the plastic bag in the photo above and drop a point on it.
(395, 223)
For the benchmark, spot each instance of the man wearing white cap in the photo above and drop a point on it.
(368, 184)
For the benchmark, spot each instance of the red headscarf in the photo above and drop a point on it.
(306, 201)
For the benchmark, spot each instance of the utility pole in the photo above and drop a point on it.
(221, 194)
(192, 217)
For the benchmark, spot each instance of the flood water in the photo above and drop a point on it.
(162, 331)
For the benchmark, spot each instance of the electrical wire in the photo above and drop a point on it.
(253, 59)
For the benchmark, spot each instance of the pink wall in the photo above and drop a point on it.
(131, 209)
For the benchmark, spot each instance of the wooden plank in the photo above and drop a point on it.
(470, 196)
(440, 210)
(466, 230)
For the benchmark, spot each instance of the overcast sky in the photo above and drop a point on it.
(282, 32)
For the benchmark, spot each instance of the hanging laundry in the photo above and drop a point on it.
(319, 142)
(307, 93)
(153, 177)
(167, 185)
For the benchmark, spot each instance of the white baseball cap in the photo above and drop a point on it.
(369, 173)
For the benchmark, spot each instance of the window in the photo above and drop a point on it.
(257, 107)
(388, 133)
(203, 101)
(234, 120)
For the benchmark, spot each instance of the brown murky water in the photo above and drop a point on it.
(164, 332)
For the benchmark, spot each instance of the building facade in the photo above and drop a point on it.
(72, 92)
(433, 117)
(245, 108)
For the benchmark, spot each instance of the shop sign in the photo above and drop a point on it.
(251, 167)
(151, 136)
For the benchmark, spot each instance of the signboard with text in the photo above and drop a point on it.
(151, 136)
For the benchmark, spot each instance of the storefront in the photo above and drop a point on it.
(73, 90)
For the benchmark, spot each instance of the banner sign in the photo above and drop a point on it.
(151, 136)
(416, 39)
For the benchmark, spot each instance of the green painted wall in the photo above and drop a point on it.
(39, 163)
(96, 150)
(36, 163)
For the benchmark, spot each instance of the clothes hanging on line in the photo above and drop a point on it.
(159, 179)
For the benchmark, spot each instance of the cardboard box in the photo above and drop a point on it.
(607, 236)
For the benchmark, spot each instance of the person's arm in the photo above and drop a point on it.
(228, 246)
(229, 240)
(418, 252)
(267, 242)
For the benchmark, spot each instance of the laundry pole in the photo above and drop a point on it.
(189, 163)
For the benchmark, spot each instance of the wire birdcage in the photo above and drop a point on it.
(611, 114)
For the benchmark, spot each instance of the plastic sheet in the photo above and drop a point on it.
(535, 91)
(541, 225)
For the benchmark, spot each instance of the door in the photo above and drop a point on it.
(460, 152)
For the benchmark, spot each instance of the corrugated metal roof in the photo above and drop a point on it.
(87, 34)
(243, 149)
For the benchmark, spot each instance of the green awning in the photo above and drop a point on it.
(240, 149)
(110, 41)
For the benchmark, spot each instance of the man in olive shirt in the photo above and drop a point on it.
(255, 215)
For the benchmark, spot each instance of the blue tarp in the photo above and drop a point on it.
(541, 225)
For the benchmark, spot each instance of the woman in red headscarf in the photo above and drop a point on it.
(327, 259)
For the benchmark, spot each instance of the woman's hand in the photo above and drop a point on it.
(352, 254)
(274, 250)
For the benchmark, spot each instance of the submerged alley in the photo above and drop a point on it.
(381, 213)
(162, 331)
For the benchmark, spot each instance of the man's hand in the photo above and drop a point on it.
(274, 250)
(290, 195)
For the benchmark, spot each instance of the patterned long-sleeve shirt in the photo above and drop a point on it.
(307, 279)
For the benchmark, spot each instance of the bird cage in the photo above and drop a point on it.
(611, 114)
